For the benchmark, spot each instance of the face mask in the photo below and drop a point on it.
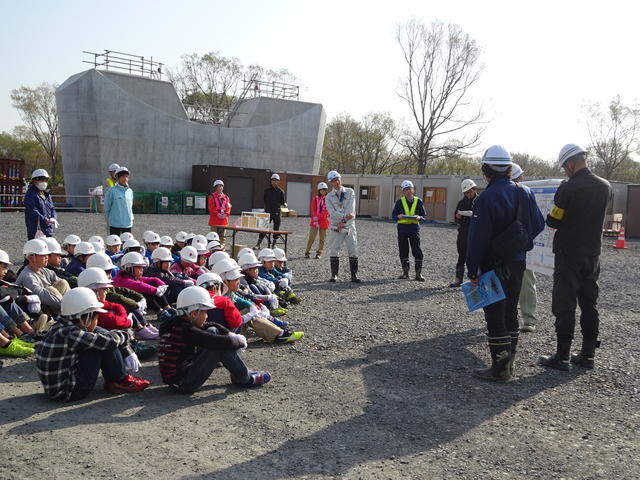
(42, 186)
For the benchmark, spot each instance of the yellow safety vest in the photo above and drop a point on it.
(409, 212)
(110, 182)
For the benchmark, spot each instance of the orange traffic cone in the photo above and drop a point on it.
(620, 241)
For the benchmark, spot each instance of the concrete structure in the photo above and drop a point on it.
(108, 117)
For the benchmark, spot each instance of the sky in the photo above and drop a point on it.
(543, 61)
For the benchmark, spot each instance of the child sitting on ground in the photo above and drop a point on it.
(72, 353)
(151, 242)
(81, 254)
(187, 266)
(191, 348)
(114, 244)
(160, 268)
(69, 245)
(225, 312)
(166, 242)
(266, 271)
(153, 289)
(280, 266)
(260, 287)
(55, 262)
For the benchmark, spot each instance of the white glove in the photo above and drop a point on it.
(130, 317)
(161, 290)
(188, 282)
(253, 310)
(143, 305)
(32, 298)
(273, 300)
(265, 311)
(33, 307)
(247, 317)
(238, 341)
(289, 275)
(465, 213)
(284, 282)
(271, 286)
(132, 363)
(54, 223)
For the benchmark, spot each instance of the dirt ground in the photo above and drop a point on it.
(380, 387)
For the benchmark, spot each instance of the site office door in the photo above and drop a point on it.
(435, 203)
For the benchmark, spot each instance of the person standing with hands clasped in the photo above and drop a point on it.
(319, 223)
(39, 212)
(505, 221)
(118, 204)
(274, 198)
(464, 211)
(408, 211)
(578, 215)
(341, 205)
(219, 210)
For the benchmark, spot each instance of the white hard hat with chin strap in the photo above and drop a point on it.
(194, 298)
(94, 278)
(79, 302)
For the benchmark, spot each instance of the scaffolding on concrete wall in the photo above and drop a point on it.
(126, 62)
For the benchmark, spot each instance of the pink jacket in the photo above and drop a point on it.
(145, 286)
(192, 271)
(319, 214)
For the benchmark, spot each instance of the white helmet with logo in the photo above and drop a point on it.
(35, 247)
(126, 236)
(71, 240)
(228, 269)
(322, 185)
(281, 256)
(216, 257)
(332, 175)
(211, 236)
(467, 184)
(79, 302)
(133, 259)
(200, 243)
(194, 298)
(101, 260)
(161, 254)
(248, 260)
(245, 250)
(165, 241)
(214, 246)
(94, 278)
(113, 240)
(181, 236)
(84, 248)
(406, 184)
(113, 167)
(266, 254)
(96, 239)
(54, 246)
(189, 254)
(152, 237)
(129, 244)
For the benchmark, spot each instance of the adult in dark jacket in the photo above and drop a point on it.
(39, 212)
(493, 213)
(464, 210)
(578, 215)
(408, 211)
(274, 198)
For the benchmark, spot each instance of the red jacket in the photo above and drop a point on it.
(219, 209)
(115, 318)
(231, 314)
(319, 213)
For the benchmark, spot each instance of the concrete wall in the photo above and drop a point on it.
(108, 117)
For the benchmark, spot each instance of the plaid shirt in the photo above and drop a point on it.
(57, 355)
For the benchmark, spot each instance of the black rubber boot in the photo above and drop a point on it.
(353, 265)
(335, 266)
(419, 277)
(560, 359)
(458, 280)
(585, 358)
(514, 347)
(500, 348)
(404, 262)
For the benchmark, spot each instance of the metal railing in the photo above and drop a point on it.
(70, 203)
(259, 88)
(132, 64)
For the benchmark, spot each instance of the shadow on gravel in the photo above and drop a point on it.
(420, 395)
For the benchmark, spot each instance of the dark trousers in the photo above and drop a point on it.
(156, 303)
(461, 244)
(275, 219)
(89, 365)
(118, 231)
(409, 239)
(575, 282)
(502, 316)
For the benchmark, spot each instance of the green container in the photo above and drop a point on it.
(169, 203)
(194, 203)
(144, 202)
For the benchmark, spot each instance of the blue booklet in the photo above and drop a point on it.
(489, 290)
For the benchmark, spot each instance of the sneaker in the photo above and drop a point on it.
(28, 338)
(256, 379)
(278, 322)
(278, 312)
(288, 336)
(145, 334)
(527, 328)
(144, 350)
(318, 256)
(152, 329)
(291, 297)
(14, 349)
(128, 384)
(307, 255)
(23, 342)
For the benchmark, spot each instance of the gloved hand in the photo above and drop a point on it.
(315, 219)
(132, 363)
(289, 275)
(222, 215)
(143, 304)
(161, 290)
(53, 222)
(283, 283)
(273, 300)
(130, 317)
(238, 341)
(254, 311)
(265, 311)
(33, 307)
(188, 282)
(32, 298)
(270, 286)
(247, 317)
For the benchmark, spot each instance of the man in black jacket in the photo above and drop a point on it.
(274, 198)
(464, 210)
(578, 215)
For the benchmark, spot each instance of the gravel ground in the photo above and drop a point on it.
(379, 388)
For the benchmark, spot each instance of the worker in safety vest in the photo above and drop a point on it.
(408, 212)
(111, 180)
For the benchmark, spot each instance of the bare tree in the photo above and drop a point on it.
(375, 145)
(37, 107)
(442, 65)
(338, 150)
(613, 134)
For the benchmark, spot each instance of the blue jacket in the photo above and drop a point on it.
(76, 267)
(118, 205)
(398, 209)
(37, 209)
(268, 274)
(493, 212)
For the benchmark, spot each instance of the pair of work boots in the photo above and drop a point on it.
(335, 267)
(271, 244)
(562, 359)
(405, 269)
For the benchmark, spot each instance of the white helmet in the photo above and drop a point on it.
(4, 257)
(227, 269)
(122, 171)
(211, 236)
(322, 185)
(191, 236)
(35, 247)
(248, 260)
(97, 246)
(54, 246)
(131, 243)
(516, 171)
(207, 279)
(165, 241)
(266, 254)
(133, 259)
(467, 184)
(113, 167)
(161, 254)
(498, 157)
(40, 172)
(214, 246)
(217, 182)
(189, 254)
(126, 236)
(275, 176)
(568, 151)
(71, 240)
(200, 243)
(96, 239)
(194, 298)
(216, 257)
(84, 248)
(280, 255)
(113, 240)
(245, 250)
(332, 175)
(100, 260)
(94, 278)
(181, 236)
(406, 184)
(152, 237)
(79, 302)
